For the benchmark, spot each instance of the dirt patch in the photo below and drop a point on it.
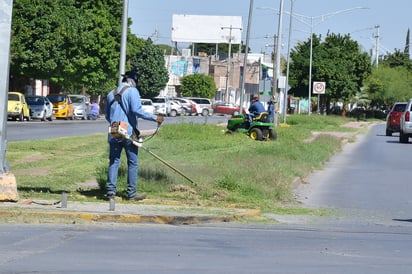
(356, 124)
(33, 158)
(32, 172)
(337, 134)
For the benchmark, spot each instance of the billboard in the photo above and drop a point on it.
(207, 29)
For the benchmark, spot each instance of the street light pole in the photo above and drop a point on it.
(229, 60)
(123, 43)
(288, 62)
(249, 25)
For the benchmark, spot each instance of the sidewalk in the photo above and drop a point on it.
(28, 211)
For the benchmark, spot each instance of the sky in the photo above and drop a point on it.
(394, 18)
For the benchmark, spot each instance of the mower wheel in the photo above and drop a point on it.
(256, 134)
(273, 135)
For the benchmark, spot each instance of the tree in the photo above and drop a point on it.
(198, 85)
(75, 44)
(387, 85)
(150, 64)
(338, 61)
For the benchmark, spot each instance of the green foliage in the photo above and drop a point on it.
(198, 85)
(388, 85)
(75, 44)
(337, 61)
(398, 59)
(149, 62)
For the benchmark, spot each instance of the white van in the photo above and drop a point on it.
(203, 105)
(148, 106)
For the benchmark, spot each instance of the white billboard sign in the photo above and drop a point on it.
(207, 29)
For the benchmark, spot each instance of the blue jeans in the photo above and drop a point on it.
(132, 166)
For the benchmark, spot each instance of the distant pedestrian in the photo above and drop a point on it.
(94, 111)
(124, 107)
(271, 110)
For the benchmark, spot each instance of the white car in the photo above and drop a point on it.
(148, 106)
(40, 107)
(168, 107)
(81, 106)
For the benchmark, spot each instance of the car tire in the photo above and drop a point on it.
(403, 138)
(256, 134)
(173, 113)
(21, 116)
(50, 118)
(44, 117)
(205, 112)
(388, 132)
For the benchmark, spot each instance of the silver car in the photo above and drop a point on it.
(40, 107)
(81, 106)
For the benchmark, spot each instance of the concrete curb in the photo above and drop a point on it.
(22, 213)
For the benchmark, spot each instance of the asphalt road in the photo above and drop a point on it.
(37, 130)
(366, 185)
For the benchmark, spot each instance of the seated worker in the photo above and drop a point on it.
(255, 108)
(93, 112)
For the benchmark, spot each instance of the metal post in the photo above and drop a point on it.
(249, 24)
(5, 32)
(229, 61)
(123, 43)
(310, 67)
(288, 62)
(278, 49)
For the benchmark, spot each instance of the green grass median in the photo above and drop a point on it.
(228, 170)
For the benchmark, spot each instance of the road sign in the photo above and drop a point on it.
(319, 87)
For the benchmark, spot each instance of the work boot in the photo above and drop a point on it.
(137, 197)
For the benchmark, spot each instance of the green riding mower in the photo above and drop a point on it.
(260, 129)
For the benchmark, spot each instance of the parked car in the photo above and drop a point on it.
(40, 107)
(81, 105)
(166, 106)
(17, 107)
(62, 106)
(405, 124)
(227, 108)
(203, 105)
(147, 105)
(188, 105)
(394, 117)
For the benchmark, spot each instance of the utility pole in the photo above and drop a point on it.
(228, 67)
(249, 25)
(377, 45)
(123, 41)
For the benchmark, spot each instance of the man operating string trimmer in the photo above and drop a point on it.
(123, 108)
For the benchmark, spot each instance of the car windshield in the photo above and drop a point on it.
(76, 99)
(56, 98)
(13, 97)
(158, 100)
(35, 100)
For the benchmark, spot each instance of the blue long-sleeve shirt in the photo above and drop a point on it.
(131, 104)
(256, 108)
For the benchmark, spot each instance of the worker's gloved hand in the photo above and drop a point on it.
(160, 119)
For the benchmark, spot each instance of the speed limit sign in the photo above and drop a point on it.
(319, 87)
